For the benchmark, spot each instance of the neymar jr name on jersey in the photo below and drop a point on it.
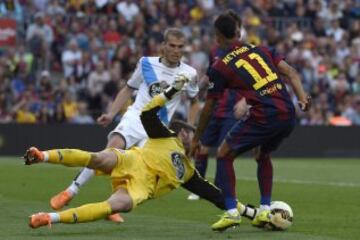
(231, 55)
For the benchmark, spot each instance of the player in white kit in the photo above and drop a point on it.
(151, 76)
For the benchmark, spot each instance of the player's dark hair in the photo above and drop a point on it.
(177, 125)
(234, 15)
(176, 32)
(226, 25)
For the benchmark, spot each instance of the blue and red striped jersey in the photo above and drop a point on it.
(252, 72)
(225, 105)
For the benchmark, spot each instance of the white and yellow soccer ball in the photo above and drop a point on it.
(281, 217)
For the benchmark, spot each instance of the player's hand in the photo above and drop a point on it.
(105, 119)
(195, 147)
(305, 105)
(180, 80)
(240, 108)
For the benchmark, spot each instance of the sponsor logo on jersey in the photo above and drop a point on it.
(271, 89)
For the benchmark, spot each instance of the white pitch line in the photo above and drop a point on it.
(336, 184)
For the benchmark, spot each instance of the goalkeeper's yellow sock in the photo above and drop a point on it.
(68, 157)
(86, 213)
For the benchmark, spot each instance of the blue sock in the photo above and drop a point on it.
(225, 177)
(265, 178)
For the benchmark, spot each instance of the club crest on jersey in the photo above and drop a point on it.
(178, 164)
(157, 88)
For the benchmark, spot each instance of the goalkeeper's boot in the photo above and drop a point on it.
(226, 221)
(61, 199)
(33, 155)
(262, 219)
(116, 217)
(39, 219)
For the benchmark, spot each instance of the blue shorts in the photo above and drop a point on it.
(216, 131)
(248, 134)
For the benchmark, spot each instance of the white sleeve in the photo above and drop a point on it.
(137, 77)
(192, 87)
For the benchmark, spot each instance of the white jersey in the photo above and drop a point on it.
(150, 78)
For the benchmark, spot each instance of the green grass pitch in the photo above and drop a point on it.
(324, 194)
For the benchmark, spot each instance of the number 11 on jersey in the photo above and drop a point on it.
(259, 81)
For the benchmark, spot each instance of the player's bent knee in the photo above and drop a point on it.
(95, 159)
(120, 201)
(116, 141)
(104, 161)
(224, 150)
(263, 157)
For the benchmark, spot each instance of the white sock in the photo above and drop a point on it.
(85, 175)
(264, 207)
(233, 211)
(247, 211)
(55, 217)
(46, 156)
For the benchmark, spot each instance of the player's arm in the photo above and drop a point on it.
(203, 122)
(215, 91)
(194, 109)
(192, 90)
(291, 74)
(124, 94)
(204, 189)
(149, 118)
(121, 99)
(195, 106)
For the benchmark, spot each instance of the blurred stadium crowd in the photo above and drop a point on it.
(71, 57)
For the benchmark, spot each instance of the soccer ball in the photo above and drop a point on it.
(281, 215)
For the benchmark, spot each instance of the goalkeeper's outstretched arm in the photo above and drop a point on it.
(151, 122)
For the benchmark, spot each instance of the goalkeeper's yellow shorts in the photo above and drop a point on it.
(132, 174)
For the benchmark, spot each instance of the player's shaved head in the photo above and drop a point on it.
(175, 32)
(173, 46)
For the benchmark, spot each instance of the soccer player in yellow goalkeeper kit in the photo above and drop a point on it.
(138, 174)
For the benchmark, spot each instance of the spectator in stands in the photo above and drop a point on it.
(45, 87)
(111, 35)
(40, 37)
(70, 106)
(353, 113)
(339, 120)
(59, 115)
(54, 8)
(96, 82)
(22, 113)
(324, 45)
(71, 57)
(5, 116)
(12, 8)
(129, 9)
(83, 117)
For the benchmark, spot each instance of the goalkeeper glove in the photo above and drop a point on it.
(180, 80)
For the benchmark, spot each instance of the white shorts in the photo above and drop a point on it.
(131, 128)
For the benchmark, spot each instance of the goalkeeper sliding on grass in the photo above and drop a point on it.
(137, 174)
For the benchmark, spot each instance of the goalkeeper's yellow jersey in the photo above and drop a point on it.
(163, 153)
